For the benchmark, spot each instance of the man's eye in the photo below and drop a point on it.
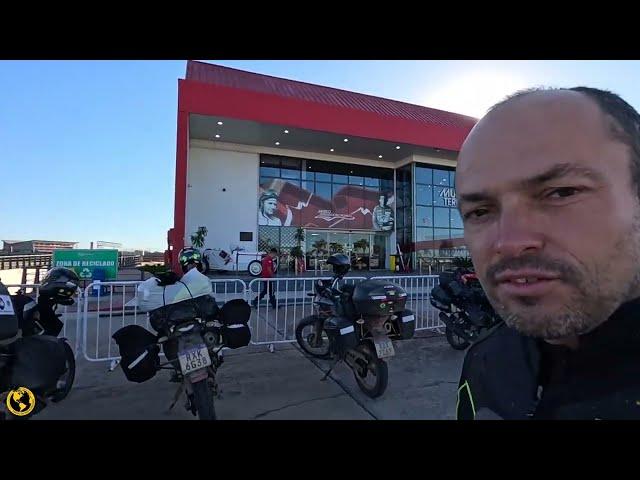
(562, 192)
(477, 213)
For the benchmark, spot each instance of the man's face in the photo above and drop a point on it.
(381, 201)
(550, 215)
(270, 206)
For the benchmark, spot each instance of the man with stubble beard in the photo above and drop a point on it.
(548, 185)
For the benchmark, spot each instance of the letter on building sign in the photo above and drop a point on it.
(449, 197)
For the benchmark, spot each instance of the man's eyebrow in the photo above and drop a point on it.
(556, 172)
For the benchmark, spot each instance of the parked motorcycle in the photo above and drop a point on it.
(464, 307)
(356, 324)
(31, 354)
(190, 332)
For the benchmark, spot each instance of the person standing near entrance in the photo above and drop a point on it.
(268, 271)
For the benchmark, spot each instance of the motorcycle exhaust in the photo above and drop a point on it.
(444, 318)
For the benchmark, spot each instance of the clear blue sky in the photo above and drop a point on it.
(87, 148)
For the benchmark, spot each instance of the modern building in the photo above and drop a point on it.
(259, 158)
(34, 246)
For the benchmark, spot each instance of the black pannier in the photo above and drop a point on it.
(139, 351)
(234, 316)
(342, 334)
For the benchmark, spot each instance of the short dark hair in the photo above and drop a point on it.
(273, 250)
(624, 120)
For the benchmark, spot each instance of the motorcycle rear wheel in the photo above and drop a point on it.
(203, 400)
(375, 369)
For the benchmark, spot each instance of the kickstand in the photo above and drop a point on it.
(326, 375)
(177, 396)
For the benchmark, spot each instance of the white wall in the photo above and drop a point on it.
(225, 214)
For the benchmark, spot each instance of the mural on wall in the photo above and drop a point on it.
(281, 203)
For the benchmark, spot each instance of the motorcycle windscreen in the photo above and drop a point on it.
(38, 363)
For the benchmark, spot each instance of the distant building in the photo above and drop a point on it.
(35, 246)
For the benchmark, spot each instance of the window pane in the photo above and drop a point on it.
(456, 219)
(424, 234)
(323, 177)
(269, 172)
(441, 177)
(455, 233)
(286, 173)
(308, 186)
(424, 195)
(291, 163)
(323, 190)
(441, 217)
(424, 175)
(355, 180)
(337, 189)
(269, 161)
(386, 185)
(308, 175)
(424, 217)
(441, 233)
(340, 178)
(372, 182)
(452, 176)
(265, 182)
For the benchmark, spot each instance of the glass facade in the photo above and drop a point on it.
(335, 201)
(439, 230)
(325, 196)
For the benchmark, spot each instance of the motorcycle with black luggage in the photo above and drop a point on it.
(191, 332)
(356, 324)
(464, 307)
(36, 367)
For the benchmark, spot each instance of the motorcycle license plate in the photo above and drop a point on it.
(384, 347)
(194, 358)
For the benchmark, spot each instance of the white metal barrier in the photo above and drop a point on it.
(109, 306)
(104, 307)
(71, 314)
(418, 290)
(271, 325)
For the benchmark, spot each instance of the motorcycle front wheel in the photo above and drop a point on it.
(457, 342)
(65, 383)
(312, 338)
(203, 400)
(371, 376)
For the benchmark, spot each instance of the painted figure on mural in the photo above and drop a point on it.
(383, 213)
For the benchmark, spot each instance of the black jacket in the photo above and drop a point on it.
(510, 376)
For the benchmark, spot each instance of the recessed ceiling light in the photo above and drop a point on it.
(351, 171)
(286, 131)
(331, 150)
(397, 147)
(346, 139)
(219, 123)
(379, 156)
(277, 143)
(217, 136)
